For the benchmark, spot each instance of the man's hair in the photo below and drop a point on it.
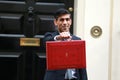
(60, 12)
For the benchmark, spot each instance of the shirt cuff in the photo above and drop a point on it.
(55, 38)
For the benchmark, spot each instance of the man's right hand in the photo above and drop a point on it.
(64, 36)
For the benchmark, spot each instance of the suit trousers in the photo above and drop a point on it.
(71, 79)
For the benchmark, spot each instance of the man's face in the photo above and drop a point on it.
(63, 23)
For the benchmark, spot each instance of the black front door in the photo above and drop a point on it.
(22, 27)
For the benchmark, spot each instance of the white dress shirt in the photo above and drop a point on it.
(70, 74)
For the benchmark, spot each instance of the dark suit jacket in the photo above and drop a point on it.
(60, 74)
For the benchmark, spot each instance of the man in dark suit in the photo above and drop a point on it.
(63, 23)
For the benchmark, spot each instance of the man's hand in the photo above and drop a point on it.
(64, 36)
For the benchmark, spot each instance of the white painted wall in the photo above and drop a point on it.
(116, 41)
(103, 53)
